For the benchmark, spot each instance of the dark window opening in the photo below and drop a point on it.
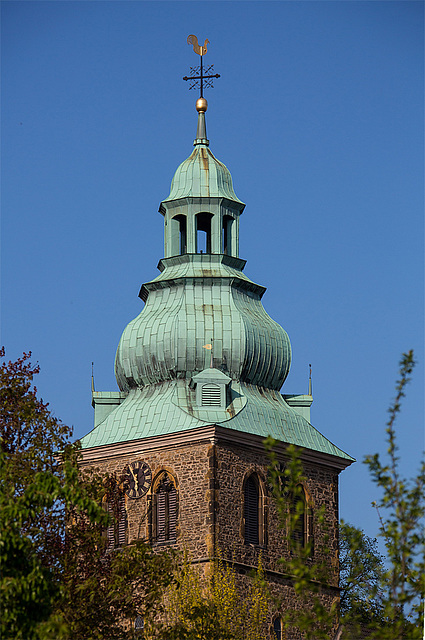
(277, 629)
(165, 511)
(251, 511)
(203, 232)
(139, 625)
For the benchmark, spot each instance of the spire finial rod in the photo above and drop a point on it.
(310, 389)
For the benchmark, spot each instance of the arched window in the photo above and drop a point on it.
(277, 629)
(117, 530)
(203, 232)
(251, 511)
(164, 518)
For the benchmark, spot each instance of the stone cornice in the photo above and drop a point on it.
(156, 443)
(254, 442)
(213, 434)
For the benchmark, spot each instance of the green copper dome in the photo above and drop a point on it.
(202, 175)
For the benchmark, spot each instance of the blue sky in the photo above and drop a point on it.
(318, 114)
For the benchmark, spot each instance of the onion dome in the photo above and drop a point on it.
(201, 299)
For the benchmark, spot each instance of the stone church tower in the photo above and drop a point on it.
(200, 371)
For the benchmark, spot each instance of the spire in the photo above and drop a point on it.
(201, 130)
(310, 390)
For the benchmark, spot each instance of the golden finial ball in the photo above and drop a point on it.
(201, 105)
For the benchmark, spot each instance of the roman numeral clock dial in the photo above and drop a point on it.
(138, 479)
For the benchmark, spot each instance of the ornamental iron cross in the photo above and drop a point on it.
(200, 77)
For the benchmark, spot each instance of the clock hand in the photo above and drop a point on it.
(136, 479)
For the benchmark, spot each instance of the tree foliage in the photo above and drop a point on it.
(315, 611)
(361, 575)
(58, 578)
(214, 607)
(381, 597)
(401, 511)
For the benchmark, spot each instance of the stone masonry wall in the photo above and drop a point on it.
(234, 464)
(282, 598)
(189, 466)
(209, 480)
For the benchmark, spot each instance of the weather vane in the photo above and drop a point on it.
(200, 77)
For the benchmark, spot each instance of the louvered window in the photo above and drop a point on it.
(211, 395)
(117, 530)
(251, 511)
(165, 511)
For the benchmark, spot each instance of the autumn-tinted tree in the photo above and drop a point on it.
(31, 515)
(59, 578)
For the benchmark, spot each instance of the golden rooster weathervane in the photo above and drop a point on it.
(201, 51)
(197, 75)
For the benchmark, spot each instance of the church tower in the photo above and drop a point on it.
(199, 372)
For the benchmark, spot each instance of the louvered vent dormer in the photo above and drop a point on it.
(211, 388)
(210, 395)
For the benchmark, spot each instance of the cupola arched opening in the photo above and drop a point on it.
(179, 234)
(164, 509)
(203, 232)
(227, 231)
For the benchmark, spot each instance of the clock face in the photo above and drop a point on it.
(139, 478)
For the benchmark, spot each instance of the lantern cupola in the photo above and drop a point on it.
(201, 214)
